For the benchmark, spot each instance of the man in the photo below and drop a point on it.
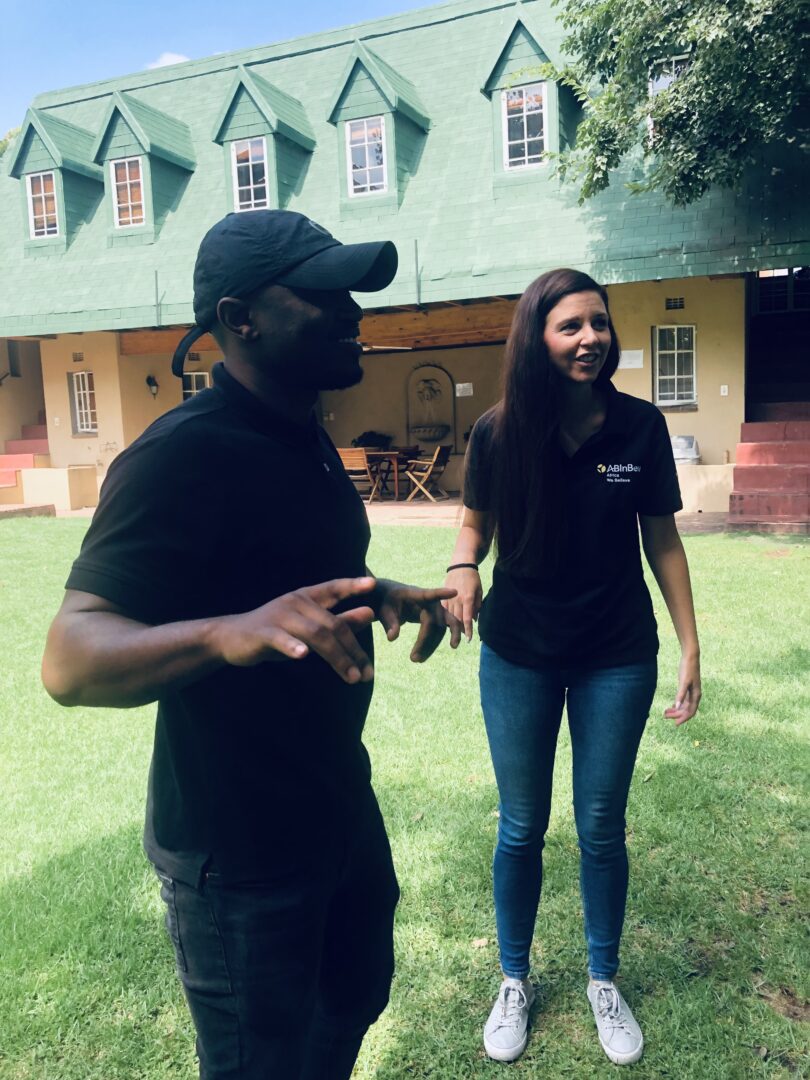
(224, 576)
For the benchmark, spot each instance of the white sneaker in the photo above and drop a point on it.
(619, 1033)
(506, 1030)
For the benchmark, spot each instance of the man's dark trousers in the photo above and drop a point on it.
(283, 976)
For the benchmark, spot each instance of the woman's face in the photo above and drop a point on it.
(577, 336)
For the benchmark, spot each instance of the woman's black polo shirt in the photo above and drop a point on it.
(593, 610)
(216, 509)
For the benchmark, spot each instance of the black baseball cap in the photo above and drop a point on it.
(248, 250)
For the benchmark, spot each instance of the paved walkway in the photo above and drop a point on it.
(446, 513)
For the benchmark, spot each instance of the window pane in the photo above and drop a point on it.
(134, 170)
(120, 172)
(514, 101)
(36, 185)
(242, 154)
(534, 99)
(360, 179)
(376, 176)
(376, 153)
(534, 146)
(666, 338)
(684, 337)
(123, 215)
(358, 157)
(357, 131)
(534, 125)
(516, 151)
(666, 364)
(50, 205)
(666, 389)
(135, 191)
(257, 148)
(258, 173)
(515, 128)
(260, 193)
(686, 389)
(243, 175)
(244, 200)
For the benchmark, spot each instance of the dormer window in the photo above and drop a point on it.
(249, 164)
(42, 215)
(365, 155)
(523, 109)
(127, 185)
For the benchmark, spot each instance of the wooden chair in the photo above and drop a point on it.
(424, 473)
(364, 478)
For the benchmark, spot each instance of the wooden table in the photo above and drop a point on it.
(376, 459)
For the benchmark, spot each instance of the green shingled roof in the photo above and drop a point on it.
(399, 93)
(464, 227)
(284, 113)
(159, 134)
(69, 145)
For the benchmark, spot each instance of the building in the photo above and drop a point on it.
(427, 128)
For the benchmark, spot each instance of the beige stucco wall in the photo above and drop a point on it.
(716, 308)
(379, 402)
(101, 357)
(138, 406)
(21, 399)
(65, 489)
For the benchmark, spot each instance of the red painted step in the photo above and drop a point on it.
(27, 446)
(16, 461)
(8, 478)
(795, 452)
(775, 431)
(790, 478)
(769, 505)
(35, 431)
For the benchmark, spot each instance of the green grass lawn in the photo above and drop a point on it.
(715, 952)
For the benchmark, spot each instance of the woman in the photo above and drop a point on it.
(561, 473)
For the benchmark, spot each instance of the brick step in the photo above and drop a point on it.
(25, 510)
(35, 431)
(780, 528)
(27, 446)
(787, 478)
(774, 453)
(773, 505)
(775, 431)
(8, 477)
(781, 410)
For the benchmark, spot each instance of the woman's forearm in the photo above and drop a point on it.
(671, 570)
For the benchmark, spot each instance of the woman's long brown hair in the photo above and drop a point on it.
(528, 503)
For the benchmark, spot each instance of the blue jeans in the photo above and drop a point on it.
(284, 975)
(607, 712)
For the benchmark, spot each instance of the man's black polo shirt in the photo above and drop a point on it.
(594, 610)
(216, 509)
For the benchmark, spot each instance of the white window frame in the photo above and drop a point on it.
(676, 352)
(254, 204)
(670, 76)
(46, 232)
(83, 389)
(199, 380)
(366, 120)
(114, 182)
(511, 166)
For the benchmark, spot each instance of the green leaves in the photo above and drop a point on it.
(744, 84)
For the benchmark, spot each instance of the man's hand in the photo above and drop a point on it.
(398, 603)
(296, 623)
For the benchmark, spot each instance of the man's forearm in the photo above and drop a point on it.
(107, 659)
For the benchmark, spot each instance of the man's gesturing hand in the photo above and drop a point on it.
(299, 622)
(398, 603)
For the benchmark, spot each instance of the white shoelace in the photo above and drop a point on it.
(513, 1001)
(608, 1005)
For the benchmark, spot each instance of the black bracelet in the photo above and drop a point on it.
(462, 566)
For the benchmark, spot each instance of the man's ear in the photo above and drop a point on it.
(234, 314)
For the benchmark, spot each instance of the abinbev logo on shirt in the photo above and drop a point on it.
(618, 474)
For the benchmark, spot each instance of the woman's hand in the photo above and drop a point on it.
(688, 696)
(466, 604)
